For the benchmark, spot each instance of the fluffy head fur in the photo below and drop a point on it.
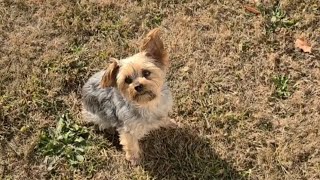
(139, 78)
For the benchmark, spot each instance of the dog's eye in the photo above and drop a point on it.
(128, 80)
(146, 73)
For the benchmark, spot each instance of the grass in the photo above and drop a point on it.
(247, 99)
(279, 18)
(67, 140)
(281, 82)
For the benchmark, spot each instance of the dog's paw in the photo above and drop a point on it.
(134, 159)
(172, 124)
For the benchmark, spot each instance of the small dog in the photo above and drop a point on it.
(131, 95)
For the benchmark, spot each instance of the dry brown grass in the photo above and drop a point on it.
(227, 64)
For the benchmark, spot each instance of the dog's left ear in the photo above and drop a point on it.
(153, 46)
(110, 75)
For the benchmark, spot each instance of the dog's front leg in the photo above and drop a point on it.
(131, 147)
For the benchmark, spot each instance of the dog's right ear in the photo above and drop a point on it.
(110, 75)
(153, 46)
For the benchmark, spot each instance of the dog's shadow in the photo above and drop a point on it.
(182, 154)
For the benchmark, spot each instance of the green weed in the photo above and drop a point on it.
(68, 140)
(154, 19)
(76, 48)
(278, 18)
(281, 82)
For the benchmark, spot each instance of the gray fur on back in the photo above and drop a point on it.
(108, 108)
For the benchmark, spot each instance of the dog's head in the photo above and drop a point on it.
(140, 78)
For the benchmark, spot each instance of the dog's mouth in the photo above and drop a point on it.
(145, 96)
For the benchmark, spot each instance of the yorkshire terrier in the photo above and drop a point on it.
(131, 95)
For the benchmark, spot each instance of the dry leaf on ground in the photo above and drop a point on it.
(252, 10)
(303, 44)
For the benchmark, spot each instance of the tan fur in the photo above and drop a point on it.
(130, 141)
(109, 77)
(154, 48)
(139, 130)
(132, 67)
(131, 147)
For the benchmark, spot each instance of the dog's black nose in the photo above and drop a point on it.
(139, 88)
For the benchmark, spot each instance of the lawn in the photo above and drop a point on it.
(246, 96)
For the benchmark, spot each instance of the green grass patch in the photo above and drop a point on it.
(282, 86)
(155, 19)
(77, 49)
(68, 140)
(277, 18)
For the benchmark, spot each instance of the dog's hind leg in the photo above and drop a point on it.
(95, 119)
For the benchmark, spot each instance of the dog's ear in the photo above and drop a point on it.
(110, 75)
(154, 48)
